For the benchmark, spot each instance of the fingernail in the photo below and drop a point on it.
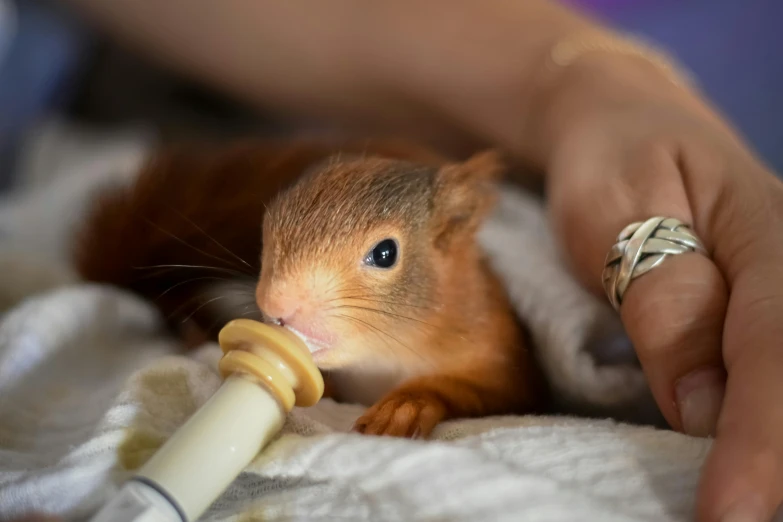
(699, 398)
(745, 512)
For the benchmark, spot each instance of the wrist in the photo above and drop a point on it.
(600, 82)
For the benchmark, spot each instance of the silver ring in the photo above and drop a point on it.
(641, 247)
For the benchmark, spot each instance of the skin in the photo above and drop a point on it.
(608, 128)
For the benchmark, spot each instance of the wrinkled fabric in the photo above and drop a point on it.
(90, 388)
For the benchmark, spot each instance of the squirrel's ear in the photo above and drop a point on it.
(464, 195)
(484, 167)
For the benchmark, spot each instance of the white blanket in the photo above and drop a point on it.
(90, 386)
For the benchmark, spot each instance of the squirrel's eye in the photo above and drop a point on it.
(383, 255)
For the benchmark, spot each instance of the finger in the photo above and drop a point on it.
(743, 476)
(672, 314)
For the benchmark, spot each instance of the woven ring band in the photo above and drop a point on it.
(641, 247)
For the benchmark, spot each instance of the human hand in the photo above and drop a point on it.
(626, 144)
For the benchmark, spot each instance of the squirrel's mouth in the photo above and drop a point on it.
(314, 345)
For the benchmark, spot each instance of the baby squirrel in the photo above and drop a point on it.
(369, 255)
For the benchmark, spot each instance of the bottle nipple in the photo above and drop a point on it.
(275, 357)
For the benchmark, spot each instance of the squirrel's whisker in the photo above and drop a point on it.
(192, 279)
(384, 312)
(218, 243)
(183, 242)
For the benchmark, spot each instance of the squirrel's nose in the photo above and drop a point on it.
(293, 310)
(280, 311)
(283, 308)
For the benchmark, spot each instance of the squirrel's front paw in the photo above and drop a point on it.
(403, 414)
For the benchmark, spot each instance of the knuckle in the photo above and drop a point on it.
(744, 222)
(656, 152)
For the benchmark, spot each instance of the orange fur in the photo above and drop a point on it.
(438, 339)
(493, 375)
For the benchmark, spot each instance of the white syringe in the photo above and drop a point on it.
(266, 370)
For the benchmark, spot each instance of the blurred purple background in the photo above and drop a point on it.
(733, 47)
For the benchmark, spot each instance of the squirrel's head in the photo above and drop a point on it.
(356, 252)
